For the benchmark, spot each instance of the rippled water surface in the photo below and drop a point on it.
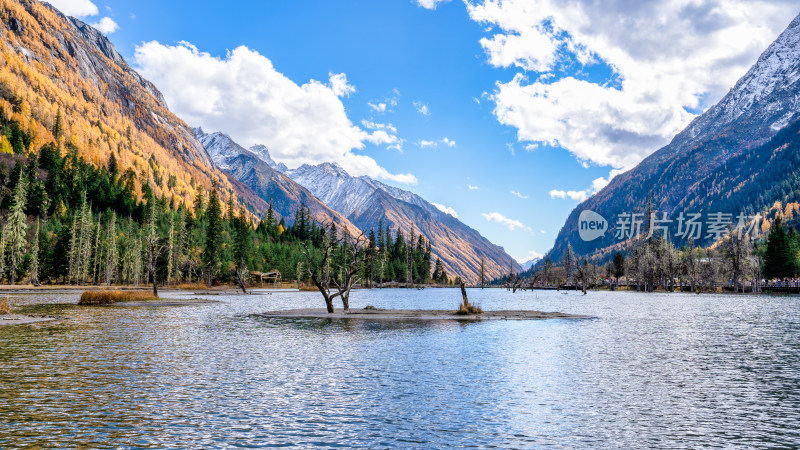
(659, 370)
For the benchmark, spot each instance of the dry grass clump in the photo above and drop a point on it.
(4, 307)
(465, 310)
(308, 288)
(110, 297)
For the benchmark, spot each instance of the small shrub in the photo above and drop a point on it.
(110, 297)
(370, 308)
(4, 308)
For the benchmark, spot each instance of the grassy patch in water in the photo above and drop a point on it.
(110, 297)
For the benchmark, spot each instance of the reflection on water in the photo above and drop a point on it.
(655, 370)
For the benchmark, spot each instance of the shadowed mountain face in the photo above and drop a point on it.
(59, 67)
(361, 201)
(730, 159)
(247, 169)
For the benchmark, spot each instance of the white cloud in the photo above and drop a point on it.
(377, 107)
(472, 188)
(445, 209)
(106, 25)
(423, 143)
(542, 232)
(430, 4)
(667, 57)
(597, 185)
(574, 195)
(339, 85)
(243, 95)
(501, 219)
(383, 134)
(387, 104)
(518, 194)
(422, 108)
(75, 8)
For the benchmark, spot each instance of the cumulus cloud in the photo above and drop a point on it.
(422, 108)
(501, 219)
(245, 96)
(518, 194)
(106, 25)
(448, 142)
(339, 85)
(667, 57)
(75, 8)
(472, 188)
(445, 209)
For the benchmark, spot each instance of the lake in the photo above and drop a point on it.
(654, 370)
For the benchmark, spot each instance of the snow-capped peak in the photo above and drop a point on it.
(262, 153)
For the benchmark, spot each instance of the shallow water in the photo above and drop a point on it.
(657, 370)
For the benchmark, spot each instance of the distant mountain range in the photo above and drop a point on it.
(361, 201)
(737, 157)
(255, 170)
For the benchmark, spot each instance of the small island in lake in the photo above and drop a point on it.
(416, 314)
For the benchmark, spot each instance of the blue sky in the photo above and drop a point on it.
(540, 102)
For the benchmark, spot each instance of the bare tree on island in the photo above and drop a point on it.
(343, 256)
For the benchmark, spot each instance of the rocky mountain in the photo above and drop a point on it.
(366, 202)
(55, 68)
(249, 169)
(737, 157)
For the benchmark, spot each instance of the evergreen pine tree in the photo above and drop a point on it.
(17, 228)
(213, 234)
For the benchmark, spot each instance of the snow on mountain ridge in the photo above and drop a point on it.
(777, 69)
(346, 193)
